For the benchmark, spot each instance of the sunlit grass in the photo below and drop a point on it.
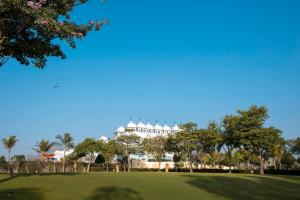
(152, 186)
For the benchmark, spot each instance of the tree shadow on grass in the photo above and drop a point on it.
(38, 174)
(247, 187)
(21, 194)
(114, 193)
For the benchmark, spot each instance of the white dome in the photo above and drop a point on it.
(157, 127)
(175, 128)
(149, 126)
(141, 125)
(121, 129)
(166, 127)
(131, 125)
(104, 138)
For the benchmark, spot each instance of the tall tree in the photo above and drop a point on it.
(208, 139)
(9, 143)
(295, 146)
(29, 29)
(230, 141)
(88, 148)
(187, 140)
(131, 144)
(155, 146)
(109, 151)
(43, 147)
(66, 141)
(174, 147)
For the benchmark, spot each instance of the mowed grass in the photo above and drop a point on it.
(149, 186)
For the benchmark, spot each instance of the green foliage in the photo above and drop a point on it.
(18, 158)
(88, 146)
(296, 146)
(155, 146)
(208, 139)
(9, 142)
(130, 143)
(246, 130)
(2, 159)
(43, 146)
(65, 140)
(109, 150)
(287, 159)
(29, 29)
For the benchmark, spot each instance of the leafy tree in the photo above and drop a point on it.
(155, 146)
(246, 130)
(208, 139)
(9, 143)
(66, 141)
(29, 29)
(2, 159)
(287, 159)
(109, 151)
(130, 144)
(295, 146)
(187, 140)
(43, 147)
(213, 158)
(88, 148)
(18, 160)
(262, 142)
(230, 141)
(173, 146)
(277, 153)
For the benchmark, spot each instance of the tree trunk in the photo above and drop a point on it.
(106, 167)
(90, 161)
(88, 168)
(159, 163)
(129, 164)
(26, 167)
(54, 167)
(64, 160)
(230, 169)
(261, 166)
(10, 168)
(9, 159)
(190, 162)
(191, 166)
(75, 166)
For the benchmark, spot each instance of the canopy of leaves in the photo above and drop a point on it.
(43, 146)
(65, 140)
(29, 29)
(9, 142)
(155, 146)
(18, 158)
(88, 146)
(130, 142)
(296, 146)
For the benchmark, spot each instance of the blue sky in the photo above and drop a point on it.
(160, 60)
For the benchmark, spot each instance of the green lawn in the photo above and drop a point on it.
(151, 186)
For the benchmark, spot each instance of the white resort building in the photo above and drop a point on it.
(145, 131)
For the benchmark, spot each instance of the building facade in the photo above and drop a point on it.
(147, 130)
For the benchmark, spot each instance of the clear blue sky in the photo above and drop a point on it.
(165, 60)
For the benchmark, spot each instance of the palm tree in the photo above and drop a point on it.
(9, 143)
(43, 146)
(66, 141)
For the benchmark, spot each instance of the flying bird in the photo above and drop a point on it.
(56, 86)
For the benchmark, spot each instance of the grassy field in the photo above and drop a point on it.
(152, 186)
